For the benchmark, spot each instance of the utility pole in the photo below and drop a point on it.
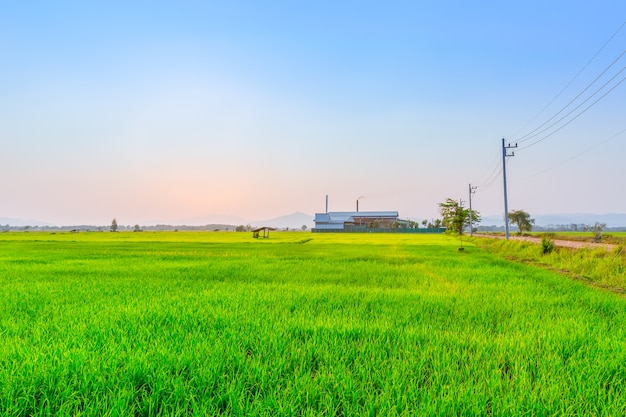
(472, 190)
(506, 206)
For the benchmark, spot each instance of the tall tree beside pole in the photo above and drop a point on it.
(455, 216)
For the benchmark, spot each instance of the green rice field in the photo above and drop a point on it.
(300, 324)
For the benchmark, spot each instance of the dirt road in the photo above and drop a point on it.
(563, 243)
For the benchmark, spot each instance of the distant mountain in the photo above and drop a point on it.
(545, 220)
(292, 221)
(296, 220)
(22, 222)
(211, 219)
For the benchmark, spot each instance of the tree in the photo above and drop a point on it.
(240, 228)
(114, 225)
(303, 227)
(455, 216)
(597, 229)
(522, 220)
(413, 224)
(137, 228)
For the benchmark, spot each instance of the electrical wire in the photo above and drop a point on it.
(489, 178)
(578, 155)
(577, 116)
(492, 181)
(498, 169)
(572, 80)
(493, 172)
(530, 135)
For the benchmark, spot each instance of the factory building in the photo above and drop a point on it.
(354, 221)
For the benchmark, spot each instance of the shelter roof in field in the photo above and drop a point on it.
(256, 233)
(263, 228)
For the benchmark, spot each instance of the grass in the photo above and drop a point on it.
(300, 324)
(615, 238)
(597, 266)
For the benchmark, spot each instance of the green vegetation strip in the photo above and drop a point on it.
(151, 324)
(599, 267)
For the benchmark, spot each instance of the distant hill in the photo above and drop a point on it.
(213, 222)
(213, 219)
(296, 220)
(22, 222)
(546, 220)
(292, 221)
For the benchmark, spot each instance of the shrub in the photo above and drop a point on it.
(547, 244)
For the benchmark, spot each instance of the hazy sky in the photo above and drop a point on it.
(179, 111)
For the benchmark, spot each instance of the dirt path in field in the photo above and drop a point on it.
(563, 243)
(567, 244)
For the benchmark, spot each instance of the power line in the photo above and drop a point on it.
(494, 177)
(573, 79)
(578, 115)
(538, 131)
(530, 135)
(493, 172)
(577, 155)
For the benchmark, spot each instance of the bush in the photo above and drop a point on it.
(547, 244)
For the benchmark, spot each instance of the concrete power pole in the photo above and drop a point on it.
(506, 206)
(472, 190)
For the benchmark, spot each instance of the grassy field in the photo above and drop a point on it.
(302, 324)
(601, 267)
(615, 238)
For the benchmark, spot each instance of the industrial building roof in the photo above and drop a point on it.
(346, 214)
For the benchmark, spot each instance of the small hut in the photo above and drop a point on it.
(263, 232)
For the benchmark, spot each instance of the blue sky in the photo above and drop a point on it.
(192, 111)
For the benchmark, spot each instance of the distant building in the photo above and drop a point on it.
(347, 221)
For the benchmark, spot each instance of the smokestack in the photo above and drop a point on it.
(326, 203)
(357, 203)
